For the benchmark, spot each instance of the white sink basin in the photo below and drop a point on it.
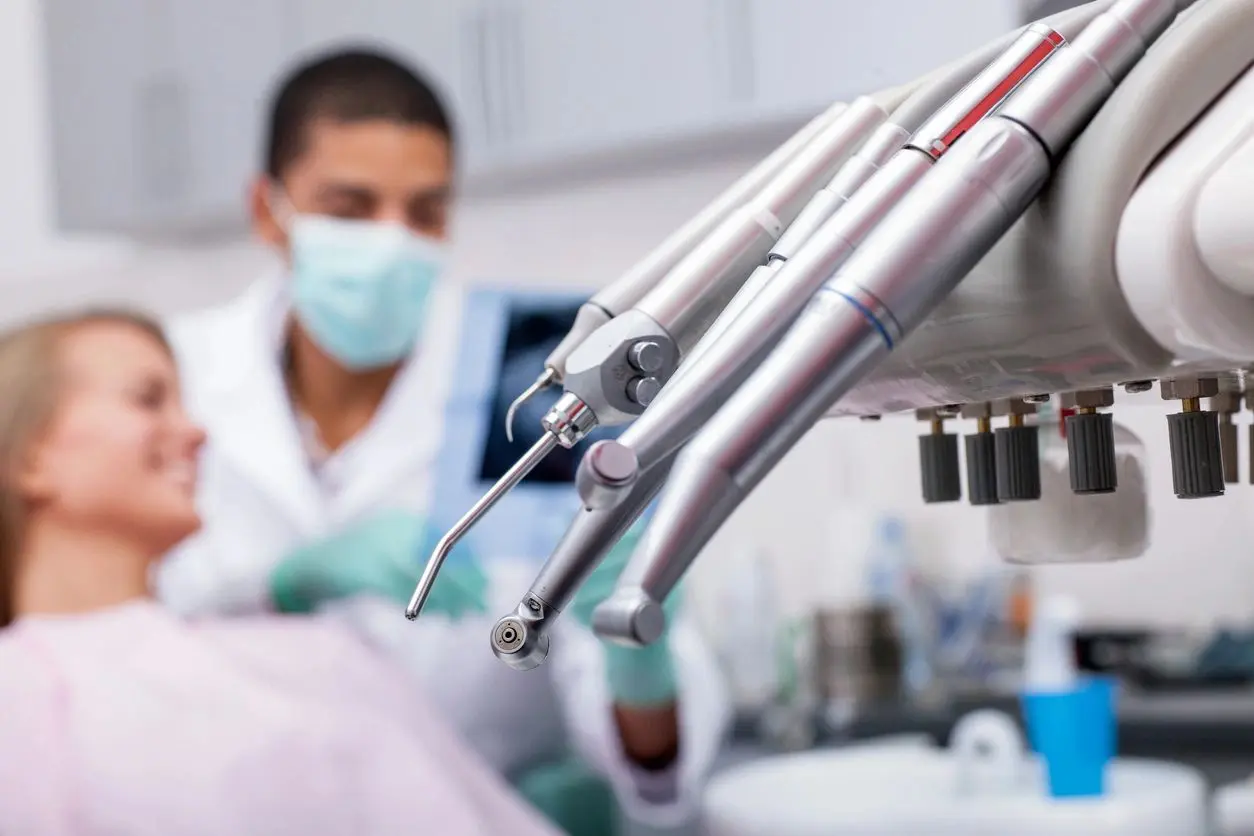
(899, 791)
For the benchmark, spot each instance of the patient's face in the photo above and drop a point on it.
(120, 457)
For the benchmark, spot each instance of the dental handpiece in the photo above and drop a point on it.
(643, 276)
(619, 368)
(860, 195)
(909, 264)
(521, 638)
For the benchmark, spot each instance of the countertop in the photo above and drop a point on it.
(1211, 731)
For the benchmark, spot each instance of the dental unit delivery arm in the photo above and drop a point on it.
(616, 371)
(860, 195)
(620, 368)
(968, 90)
(903, 269)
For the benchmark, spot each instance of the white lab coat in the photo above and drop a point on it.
(260, 499)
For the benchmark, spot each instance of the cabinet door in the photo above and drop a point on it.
(586, 76)
(96, 69)
(807, 54)
(156, 109)
(448, 41)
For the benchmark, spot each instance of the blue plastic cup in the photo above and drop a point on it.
(1074, 732)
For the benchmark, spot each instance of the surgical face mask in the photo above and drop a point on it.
(361, 288)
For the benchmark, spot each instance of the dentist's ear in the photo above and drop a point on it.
(267, 224)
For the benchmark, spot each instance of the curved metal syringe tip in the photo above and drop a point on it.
(512, 477)
(546, 379)
(429, 572)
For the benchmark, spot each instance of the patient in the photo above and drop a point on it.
(117, 718)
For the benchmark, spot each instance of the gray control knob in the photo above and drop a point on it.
(645, 356)
(982, 469)
(938, 460)
(1196, 456)
(643, 390)
(1230, 451)
(1250, 453)
(1017, 453)
(1091, 452)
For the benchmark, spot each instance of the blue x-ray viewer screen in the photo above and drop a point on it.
(532, 330)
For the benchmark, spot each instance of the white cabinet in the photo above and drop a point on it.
(226, 56)
(806, 54)
(158, 106)
(585, 76)
(154, 108)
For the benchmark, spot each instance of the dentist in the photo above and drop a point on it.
(322, 391)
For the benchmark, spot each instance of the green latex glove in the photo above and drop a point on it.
(380, 556)
(638, 676)
(572, 797)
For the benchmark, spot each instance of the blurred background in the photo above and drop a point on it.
(589, 132)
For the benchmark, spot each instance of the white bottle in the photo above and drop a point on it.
(1049, 652)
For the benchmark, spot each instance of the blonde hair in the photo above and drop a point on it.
(30, 392)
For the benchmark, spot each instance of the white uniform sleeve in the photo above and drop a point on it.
(33, 750)
(194, 579)
(192, 583)
(663, 798)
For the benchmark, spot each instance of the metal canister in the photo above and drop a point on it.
(858, 655)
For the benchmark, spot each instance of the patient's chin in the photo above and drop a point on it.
(173, 531)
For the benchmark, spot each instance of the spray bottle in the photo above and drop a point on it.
(1070, 719)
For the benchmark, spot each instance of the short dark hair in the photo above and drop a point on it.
(348, 85)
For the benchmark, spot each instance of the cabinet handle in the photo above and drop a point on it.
(477, 66)
(734, 19)
(163, 147)
(518, 77)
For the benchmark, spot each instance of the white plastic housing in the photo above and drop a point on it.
(1185, 251)
(1065, 527)
(1222, 220)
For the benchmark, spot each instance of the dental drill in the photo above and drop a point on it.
(521, 638)
(900, 273)
(861, 193)
(618, 370)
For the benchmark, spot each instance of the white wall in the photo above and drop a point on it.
(579, 236)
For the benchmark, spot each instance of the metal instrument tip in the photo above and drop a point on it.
(504, 485)
(546, 379)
